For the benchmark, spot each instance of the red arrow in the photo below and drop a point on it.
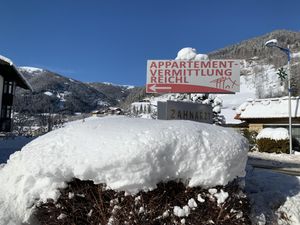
(154, 88)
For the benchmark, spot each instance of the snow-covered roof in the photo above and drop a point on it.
(6, 60)
(7, 66)
(268, 108)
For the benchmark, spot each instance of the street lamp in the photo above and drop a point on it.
(274, 43)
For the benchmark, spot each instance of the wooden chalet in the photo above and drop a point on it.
(10, 78)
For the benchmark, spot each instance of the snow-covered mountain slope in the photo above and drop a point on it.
(30, 70)
(256, 81)
(63, 94)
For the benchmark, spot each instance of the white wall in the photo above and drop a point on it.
(1, 91)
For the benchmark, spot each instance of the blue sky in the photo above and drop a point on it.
(111, 40)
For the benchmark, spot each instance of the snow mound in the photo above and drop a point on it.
(291, 208)
(190, 54)
(128, 154)
(274, 134)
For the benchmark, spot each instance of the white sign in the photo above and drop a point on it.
(181, 76)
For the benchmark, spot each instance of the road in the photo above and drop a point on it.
(286, 164)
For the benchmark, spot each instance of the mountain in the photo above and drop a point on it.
(113, 91)
(55, 93)
(261, 63)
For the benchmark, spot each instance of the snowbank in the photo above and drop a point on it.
(291, 208)
(274, 134)
(125, 153)
(274, 196)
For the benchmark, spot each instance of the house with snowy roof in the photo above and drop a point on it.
(271, 112)
(10, 78)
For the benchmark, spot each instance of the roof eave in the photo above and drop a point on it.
(25, 85)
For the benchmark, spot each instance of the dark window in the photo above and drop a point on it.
(9, 87)
(3, 111)
(8, 111)
(5, 87)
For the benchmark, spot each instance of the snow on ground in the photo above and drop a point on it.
(273, 133)
(125, 153)
(282, 158)
(296, 55)
(273, 196)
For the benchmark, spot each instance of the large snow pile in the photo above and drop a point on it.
(190, 54)
(273, 133)
(291, 209)
(125, 153)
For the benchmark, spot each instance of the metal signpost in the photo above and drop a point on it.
(273, 43)
(181, 76)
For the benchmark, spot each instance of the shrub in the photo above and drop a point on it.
(272, 146)
(251, 137)
(84, 203)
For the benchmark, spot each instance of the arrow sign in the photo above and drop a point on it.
(154, 88)
(196, 76)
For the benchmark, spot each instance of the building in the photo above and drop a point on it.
(10, 78)
(108, 111)
(272, 112)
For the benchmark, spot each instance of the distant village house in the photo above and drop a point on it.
(10, 77)
(108, 111)
(272, 112)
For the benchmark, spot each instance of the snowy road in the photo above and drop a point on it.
(10, 145)
(285, 164)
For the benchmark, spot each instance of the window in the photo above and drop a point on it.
(8, 87)
(5, 87)
(8, 111)
(3, 111)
